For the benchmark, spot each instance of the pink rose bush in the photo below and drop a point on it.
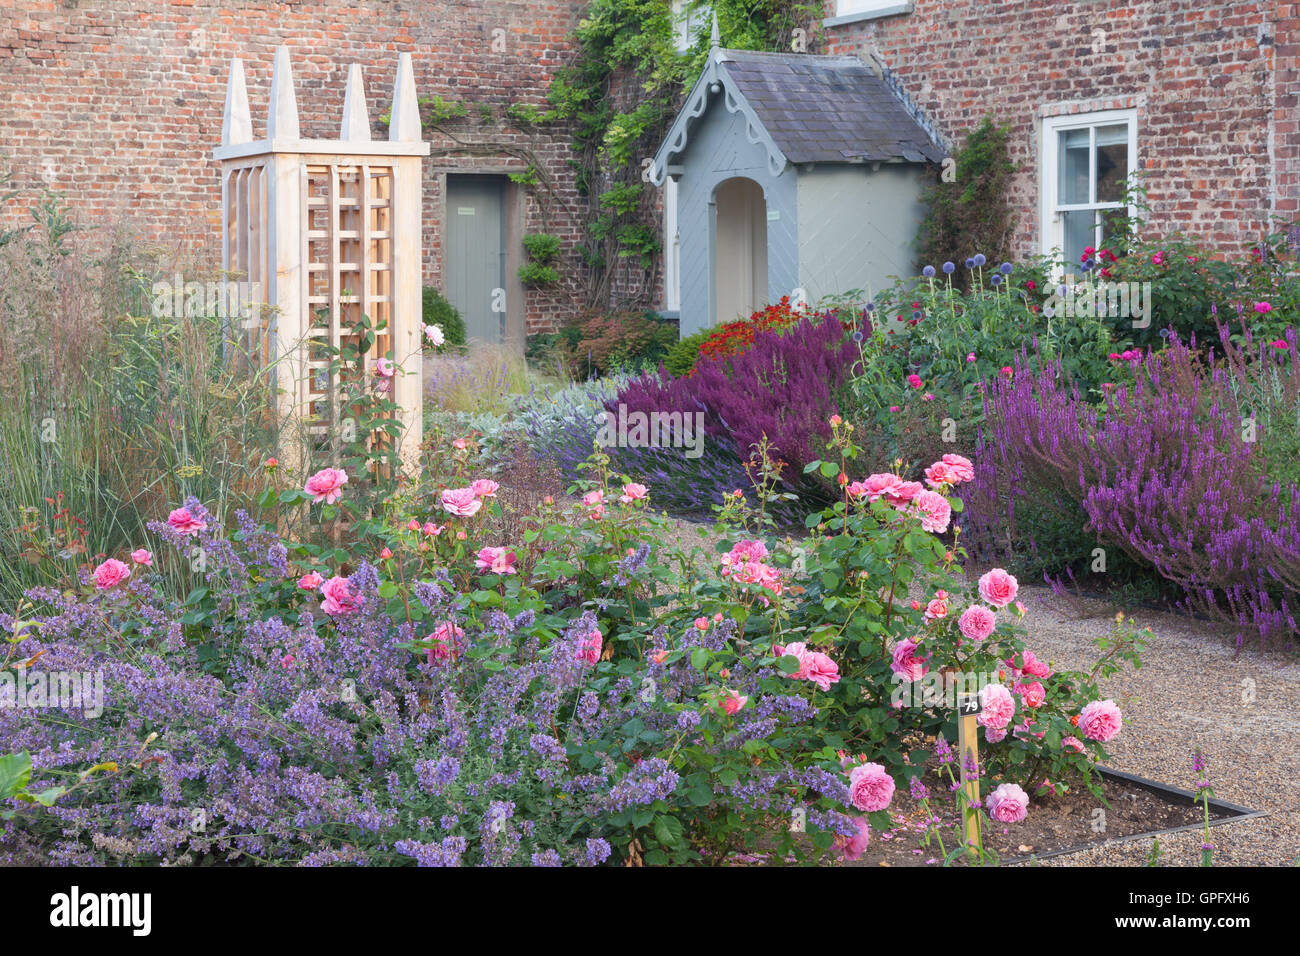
(495, 561)
(871, 787)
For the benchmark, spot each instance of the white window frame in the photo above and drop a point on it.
(850, 11)
(685, 26)
(1051, 222)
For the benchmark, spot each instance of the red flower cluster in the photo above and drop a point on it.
(735, 337)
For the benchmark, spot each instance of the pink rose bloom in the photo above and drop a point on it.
(856, 489)
(904, 492)
(998, 588)
(484, 488)
(413, 525)
(854, 846)
(960, 466)
(1158, 258)
(1032, 695)
(1074, 745)
(460, 444)
(1008, 803)
(110, 574)
(431, 529)
(822, 671)
(1263, 307)
(749, 550)
(589, 648)
(977, 622)
(906, 664)
(338, 598)
(593, 498)
(1100, 720)
(940, 474)
(914, 380)
(445, 644)
(702, 624)
(496, 561)
(799, 651)
(1033, 666)
(934, 509)
(310, 581)
(384, 367)
(141, 556)
(936, 609)
(882, 484)
(184, 522)
(995, 736)
(733, 702)
(633, 491)
(1281, 344)
(998, 707)
(871, 788)
(461, 502)
(755, 572)
(326, 485)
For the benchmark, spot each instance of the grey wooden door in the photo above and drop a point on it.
(476, 254)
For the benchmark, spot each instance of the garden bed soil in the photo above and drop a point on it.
(1064, 822)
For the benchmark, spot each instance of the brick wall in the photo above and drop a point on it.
(118, 103)
(1217, 124)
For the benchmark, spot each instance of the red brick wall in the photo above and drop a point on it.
(118, 103)
(1217, 126)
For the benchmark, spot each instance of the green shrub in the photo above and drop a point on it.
(972, 213)
(681, 356)
(438, 311)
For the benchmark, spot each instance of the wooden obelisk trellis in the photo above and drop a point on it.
(330, 230)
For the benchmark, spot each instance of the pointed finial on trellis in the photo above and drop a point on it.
(715, 38)
(282, 117)
(236, 124)
(356, 118)
(404, 119)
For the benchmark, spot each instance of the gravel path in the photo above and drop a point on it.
(1244, 714)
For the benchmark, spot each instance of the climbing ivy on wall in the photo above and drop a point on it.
(622, 93)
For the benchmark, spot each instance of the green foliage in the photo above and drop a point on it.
(535, 275)
(528, 178)
(542, 248)
(438, 111)
(436, 310)
(971, 214)
(680, 359)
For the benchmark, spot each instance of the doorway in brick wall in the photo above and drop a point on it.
(475, 253)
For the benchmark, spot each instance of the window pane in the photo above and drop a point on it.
(1111, 222)
(1079, 234)
(1112, 162)
(1072, 161)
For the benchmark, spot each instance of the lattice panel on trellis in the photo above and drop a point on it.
(331, 231)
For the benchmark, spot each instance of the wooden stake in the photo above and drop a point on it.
(968, 750)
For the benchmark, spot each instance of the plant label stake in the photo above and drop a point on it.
(968, 708)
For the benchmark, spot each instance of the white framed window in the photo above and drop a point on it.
(848, 10)
(688, 19)
(1086, 157)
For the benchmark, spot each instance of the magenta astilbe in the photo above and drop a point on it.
(1162, 471)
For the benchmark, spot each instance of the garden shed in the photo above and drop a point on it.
(797, 175)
